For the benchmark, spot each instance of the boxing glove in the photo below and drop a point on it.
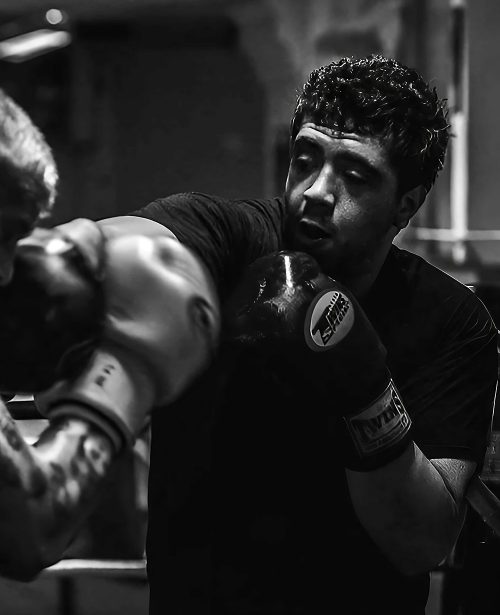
(160, 331)
(302, 323)
(52, 310)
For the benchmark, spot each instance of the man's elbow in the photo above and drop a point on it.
(425, 554)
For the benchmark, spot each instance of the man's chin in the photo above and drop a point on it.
(321, 250)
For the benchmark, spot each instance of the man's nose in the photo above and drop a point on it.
(322, 189)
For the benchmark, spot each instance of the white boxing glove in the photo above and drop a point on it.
(161, 330)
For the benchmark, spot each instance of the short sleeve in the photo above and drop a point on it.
(451, 394)
(226, 234)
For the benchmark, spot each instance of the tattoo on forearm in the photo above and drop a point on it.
(11, 446)
(9, 430)
(14, 438)
(75, 482)
(47, 488)
(61, 472)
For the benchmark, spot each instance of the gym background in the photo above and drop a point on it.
(142, 98)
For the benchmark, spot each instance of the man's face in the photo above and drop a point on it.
(15, 223)
(341, 195)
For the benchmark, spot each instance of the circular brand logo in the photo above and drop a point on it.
(329, 319)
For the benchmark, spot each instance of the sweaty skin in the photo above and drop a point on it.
(344, 208)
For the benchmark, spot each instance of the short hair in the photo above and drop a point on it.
(28, 172)
(380, 97)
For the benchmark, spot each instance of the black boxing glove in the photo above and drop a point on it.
(307, 325)
(52, 311)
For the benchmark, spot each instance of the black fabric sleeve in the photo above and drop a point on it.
(226, 234)
(453, 393)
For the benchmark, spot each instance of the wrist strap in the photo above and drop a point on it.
(119, 436)
(379, 433)
(114, 393)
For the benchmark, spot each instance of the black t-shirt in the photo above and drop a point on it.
(247, 511)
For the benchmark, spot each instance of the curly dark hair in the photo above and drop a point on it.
(380, 97)
(28, 172)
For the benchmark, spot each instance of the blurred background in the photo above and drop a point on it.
(142, 98)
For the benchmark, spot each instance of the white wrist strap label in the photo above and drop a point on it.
(384, 423)
(106, 382)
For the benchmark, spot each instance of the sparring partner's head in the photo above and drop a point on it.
(368, 138)
(28, 179)
(52, 310)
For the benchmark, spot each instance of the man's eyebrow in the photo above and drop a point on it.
(305, 140)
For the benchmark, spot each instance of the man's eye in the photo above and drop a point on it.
(302, 162)
(356, 177)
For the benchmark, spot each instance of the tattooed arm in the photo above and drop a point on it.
(146, 357)
(47, 490)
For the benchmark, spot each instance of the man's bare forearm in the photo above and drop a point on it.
(412, 510)
(46, 490)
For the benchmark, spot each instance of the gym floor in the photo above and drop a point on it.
(77, 595)
(89, 595)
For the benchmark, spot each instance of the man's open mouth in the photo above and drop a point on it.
(312, 230)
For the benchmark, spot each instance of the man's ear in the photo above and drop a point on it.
(409, 204)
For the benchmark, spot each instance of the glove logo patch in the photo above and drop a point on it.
(107, 371)
(329, 319)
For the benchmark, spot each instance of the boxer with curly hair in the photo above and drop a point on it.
(320, 458)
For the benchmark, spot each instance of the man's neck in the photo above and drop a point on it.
(360, 284)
